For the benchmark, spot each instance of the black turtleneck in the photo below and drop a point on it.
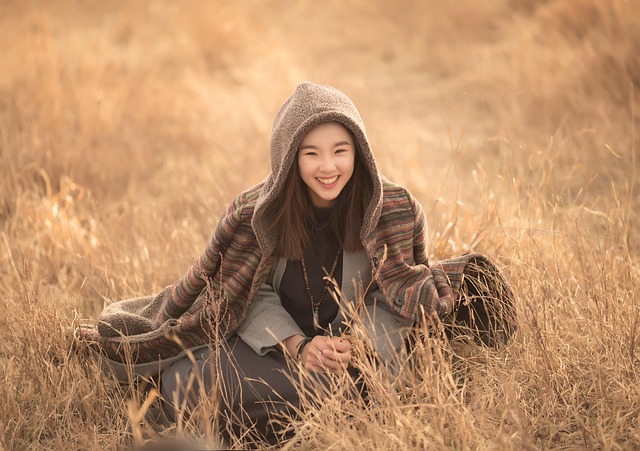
(319, 260)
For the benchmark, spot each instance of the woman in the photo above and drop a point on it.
(263, 287)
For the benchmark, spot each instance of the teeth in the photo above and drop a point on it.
(328, 181)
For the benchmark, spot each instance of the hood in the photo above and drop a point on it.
(309, 106)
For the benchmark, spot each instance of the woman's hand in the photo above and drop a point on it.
(322, 354)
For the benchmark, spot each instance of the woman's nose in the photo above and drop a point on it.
(328, 163)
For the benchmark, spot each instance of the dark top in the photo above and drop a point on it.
(319, 260)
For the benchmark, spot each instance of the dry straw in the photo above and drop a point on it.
(126, 128)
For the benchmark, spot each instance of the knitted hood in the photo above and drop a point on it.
(309, 106)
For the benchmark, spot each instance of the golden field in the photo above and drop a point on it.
(127, 127)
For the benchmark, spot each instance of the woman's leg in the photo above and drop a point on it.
(249, 390)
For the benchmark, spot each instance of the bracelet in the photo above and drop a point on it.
(300, 346)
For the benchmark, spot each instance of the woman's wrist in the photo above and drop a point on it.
(300, 347)
(291, 344)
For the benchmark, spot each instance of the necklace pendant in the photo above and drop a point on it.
(316, 319)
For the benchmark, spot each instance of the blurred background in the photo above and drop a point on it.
(160, 105)
(126, 127)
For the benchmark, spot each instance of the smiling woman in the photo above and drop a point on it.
(260, 290)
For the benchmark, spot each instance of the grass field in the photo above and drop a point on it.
(127, 127)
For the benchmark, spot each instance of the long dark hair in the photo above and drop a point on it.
(292, 216)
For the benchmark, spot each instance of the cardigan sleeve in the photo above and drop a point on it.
(267, 322)
(398, 249)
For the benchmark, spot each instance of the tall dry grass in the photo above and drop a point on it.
(125, 128)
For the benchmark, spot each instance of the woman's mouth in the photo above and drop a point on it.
(328, 181)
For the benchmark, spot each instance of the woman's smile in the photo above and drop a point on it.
(328, 181)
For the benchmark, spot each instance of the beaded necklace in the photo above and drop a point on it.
(316, 304)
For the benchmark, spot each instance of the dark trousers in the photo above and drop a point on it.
(246, 388)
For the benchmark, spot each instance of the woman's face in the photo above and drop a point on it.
(326, 158)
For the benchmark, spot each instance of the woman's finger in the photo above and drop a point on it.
(339, 344)
(311, 355)
(340, 358)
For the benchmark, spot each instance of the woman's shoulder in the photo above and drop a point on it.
(240, 210)
(250, 195)
(246, 200)
(395, 195)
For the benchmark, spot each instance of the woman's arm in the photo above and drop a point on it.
(398, 250)
(267, 324)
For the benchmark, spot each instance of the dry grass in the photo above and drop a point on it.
(126, 127)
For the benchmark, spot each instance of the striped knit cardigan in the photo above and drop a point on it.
(211, 299)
